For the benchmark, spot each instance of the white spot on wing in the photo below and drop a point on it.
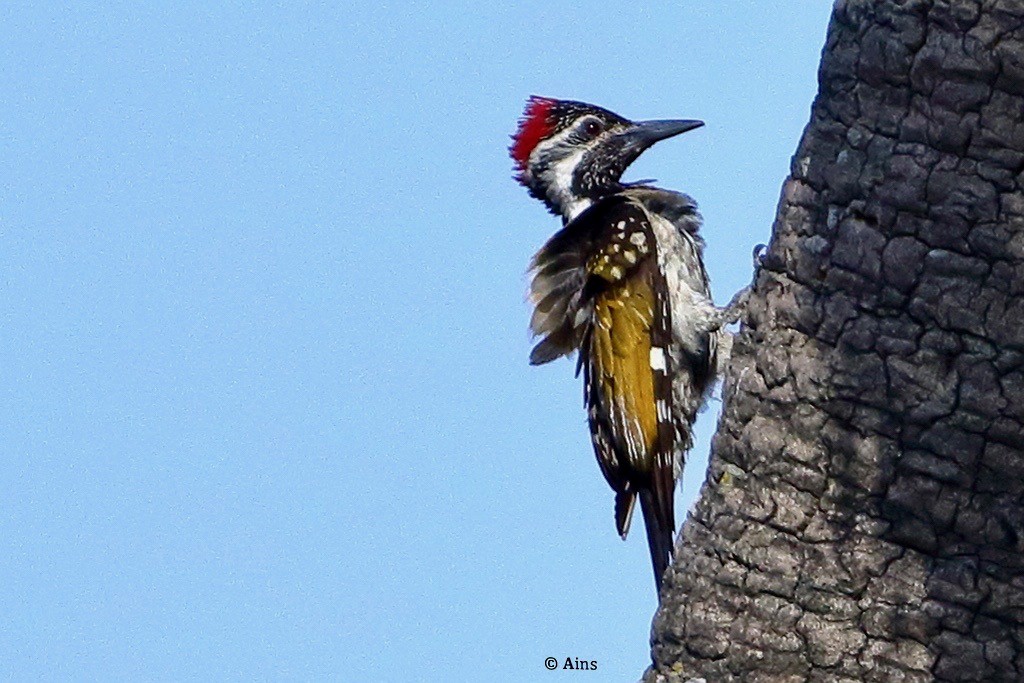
(658, 359)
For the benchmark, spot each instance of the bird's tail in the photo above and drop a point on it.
(659, 536)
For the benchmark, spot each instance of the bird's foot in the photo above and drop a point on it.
(731, 312)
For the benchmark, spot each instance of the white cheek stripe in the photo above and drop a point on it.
(558, 176)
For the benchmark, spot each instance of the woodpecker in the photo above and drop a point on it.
(622, 284)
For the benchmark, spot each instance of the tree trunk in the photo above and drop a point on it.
(863, 514)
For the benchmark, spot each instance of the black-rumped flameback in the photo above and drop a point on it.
(623, 285)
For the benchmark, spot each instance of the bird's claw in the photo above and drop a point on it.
(760, 256)
(732, 311)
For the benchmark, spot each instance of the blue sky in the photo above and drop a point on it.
(264, 401)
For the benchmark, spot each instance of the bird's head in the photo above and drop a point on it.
(570, 154)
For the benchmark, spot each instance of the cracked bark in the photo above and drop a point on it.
(862, 519)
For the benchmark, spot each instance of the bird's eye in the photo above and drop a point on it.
(592, 127)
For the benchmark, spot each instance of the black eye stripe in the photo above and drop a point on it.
(569, 114)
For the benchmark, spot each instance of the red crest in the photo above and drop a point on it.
(534, 126)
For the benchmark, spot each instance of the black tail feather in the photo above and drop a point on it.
(659, 536)
(624, 501)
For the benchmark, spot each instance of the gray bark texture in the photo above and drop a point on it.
(863, 514)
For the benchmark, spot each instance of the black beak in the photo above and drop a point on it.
(643, 134)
